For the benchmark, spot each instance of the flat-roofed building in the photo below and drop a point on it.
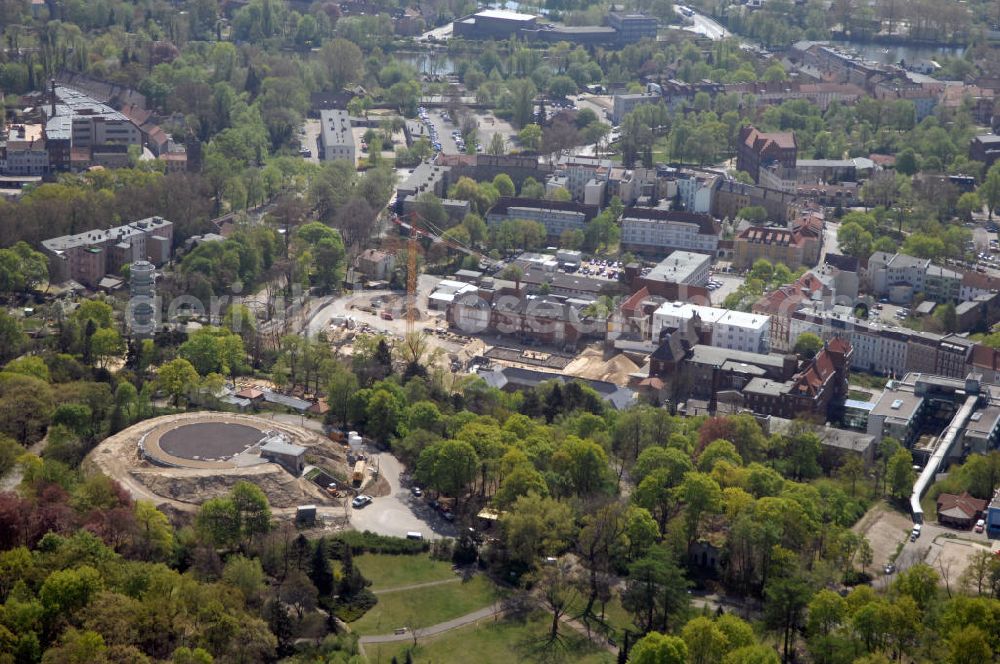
(682, 267)
(735, 330)
(656, 231)
(87, 257)
(335, 138)
(556, 216)
(493, 24)
(624, 104)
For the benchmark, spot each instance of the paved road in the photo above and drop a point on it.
(400, 512)
(705, 26)
(830, 244)
(461, 621)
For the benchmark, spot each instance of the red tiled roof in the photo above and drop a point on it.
(771, 235)
(759, 140)
(633, 302)
(839, 345)
(965, 503)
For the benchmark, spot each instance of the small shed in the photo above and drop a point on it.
(291, 457)
(305, 515)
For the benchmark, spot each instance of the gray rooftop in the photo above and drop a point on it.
(764, 386)
(855, 441)
(898, 404)
(118, 233)
(287, 401)
(336, 127)
(678, 266)
(702, 354)
(277, 445)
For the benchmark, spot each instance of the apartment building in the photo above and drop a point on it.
(794, 247)
(335, 139)
(657, 231)
(582, 174)
(735, 330)
(899, 277)
(694, 192)
(556, 216)
(25, 152)
(624, 104)
(87, 257)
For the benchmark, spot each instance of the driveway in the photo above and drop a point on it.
(400, 512)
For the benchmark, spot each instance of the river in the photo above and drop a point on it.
(433, 63)
(891, 54)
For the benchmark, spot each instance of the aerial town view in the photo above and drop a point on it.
(459, 332)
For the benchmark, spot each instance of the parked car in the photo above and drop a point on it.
(416, 491)
(980, 526)
(889, 568)
(361, 501)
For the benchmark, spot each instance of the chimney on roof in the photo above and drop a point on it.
(52, 84)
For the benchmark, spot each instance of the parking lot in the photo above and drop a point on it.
(309, 139)
(600, 269)
(729, 283)
(443, 128)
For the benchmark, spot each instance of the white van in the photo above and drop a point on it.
(414, 535)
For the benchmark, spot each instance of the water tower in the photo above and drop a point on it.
(142, 289)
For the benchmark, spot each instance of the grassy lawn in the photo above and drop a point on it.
(426, 606)
(615, 616)
(387, 571)
(859, 395)
(490, 642)
(869, 381)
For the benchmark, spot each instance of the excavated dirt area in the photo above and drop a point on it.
(594, 364)
(185, 489)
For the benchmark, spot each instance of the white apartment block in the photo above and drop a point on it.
(695, 193)
(659, 231)
(335, 138)
(734, 330)
(876, 348)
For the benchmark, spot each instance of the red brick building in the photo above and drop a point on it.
(757, 149)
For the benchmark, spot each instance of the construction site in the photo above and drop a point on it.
(180, 461)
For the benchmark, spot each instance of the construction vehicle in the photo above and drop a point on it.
(359, 473)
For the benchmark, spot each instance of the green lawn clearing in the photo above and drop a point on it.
(423, 607)
(492, 642)
(615, 617)
(388, 571)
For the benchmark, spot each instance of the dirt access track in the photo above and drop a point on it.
(184, 489)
